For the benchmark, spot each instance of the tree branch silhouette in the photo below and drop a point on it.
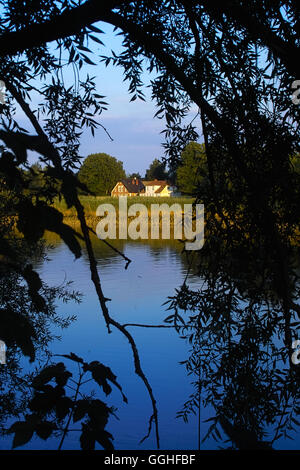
(51, 152)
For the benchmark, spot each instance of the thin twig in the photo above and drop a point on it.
(71, 412)
(53, 155)
(147, 326)
(128, 261)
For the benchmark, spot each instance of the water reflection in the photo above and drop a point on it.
(240, 380)
(240, 355)
(137, 295)
(28, 324)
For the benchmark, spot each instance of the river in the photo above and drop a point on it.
(137, 296)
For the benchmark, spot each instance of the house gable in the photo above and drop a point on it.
(128, 187)
(151, 187)
(119, 189)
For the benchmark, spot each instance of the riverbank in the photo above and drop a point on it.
(90, 204)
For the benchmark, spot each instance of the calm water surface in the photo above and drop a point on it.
(137, 296)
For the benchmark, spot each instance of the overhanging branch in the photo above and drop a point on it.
(73, 21)
(69, 23)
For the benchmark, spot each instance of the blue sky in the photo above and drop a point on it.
(136, 134)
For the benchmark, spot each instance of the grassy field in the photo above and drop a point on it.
(90, 203)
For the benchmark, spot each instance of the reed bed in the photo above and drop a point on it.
(90, 204)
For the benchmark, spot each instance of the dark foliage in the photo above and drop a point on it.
(52, 410)
(235, 63)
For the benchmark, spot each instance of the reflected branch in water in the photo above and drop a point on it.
(237, 331)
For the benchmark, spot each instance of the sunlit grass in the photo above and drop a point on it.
(90, 203)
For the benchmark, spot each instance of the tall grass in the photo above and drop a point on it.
(90, 203)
